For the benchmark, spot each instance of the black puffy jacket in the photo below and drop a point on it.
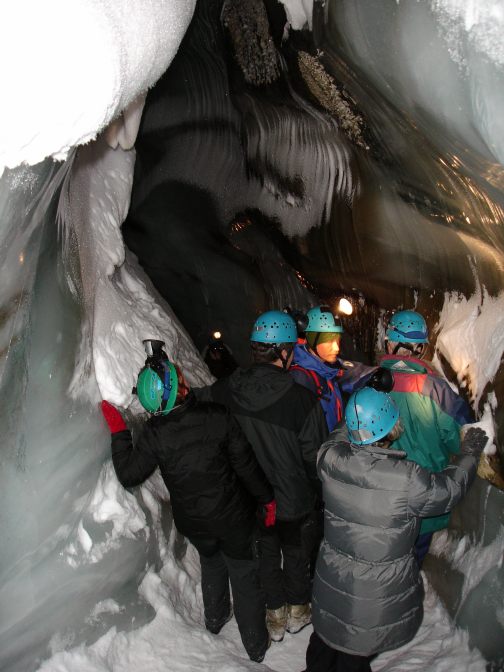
(213, 477)
(285, 426)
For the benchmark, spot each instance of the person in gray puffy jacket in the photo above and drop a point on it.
(368, 592)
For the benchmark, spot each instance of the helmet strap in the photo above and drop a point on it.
(280, 356)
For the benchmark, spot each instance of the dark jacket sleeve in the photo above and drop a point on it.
(203, 393)
(133, 464)
(312, 436)
(245, 464)
(354, 376)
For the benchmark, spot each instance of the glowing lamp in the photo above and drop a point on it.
(345, 307)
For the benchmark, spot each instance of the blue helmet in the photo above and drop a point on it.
(274, 327)
(370, 415)
(407, 326)
(321, 319)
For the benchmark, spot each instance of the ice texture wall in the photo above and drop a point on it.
(71, 536)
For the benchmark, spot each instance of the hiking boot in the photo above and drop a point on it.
(276, 622)
(298, 616)
(216, 626)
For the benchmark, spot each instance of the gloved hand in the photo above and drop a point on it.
(269, 513)
(473, 442)
(382, 380)
(112, 417)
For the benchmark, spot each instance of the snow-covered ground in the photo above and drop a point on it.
(176, 639)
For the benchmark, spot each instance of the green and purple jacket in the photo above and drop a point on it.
(432, 415)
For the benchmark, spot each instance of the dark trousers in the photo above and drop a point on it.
(322, 658)
(285, 551)
(218, 568)
(422, 547)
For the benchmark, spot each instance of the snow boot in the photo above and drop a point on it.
(276, 622)
(216, 626)
(298, 616)
(260, 657)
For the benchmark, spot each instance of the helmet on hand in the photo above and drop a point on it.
(407, 326)
(370, 415)
(157, 387)
(274, 327)
(321, 319)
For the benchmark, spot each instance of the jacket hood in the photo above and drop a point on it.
(405, 364)
(308, 361)
(340, 435)
(260, 386)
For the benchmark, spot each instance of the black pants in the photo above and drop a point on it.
(321, 658)
(233, 559)
(285, 551)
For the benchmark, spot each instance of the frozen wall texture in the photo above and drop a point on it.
(274, 166)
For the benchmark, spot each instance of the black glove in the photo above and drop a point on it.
(473, 442)
(381, 380)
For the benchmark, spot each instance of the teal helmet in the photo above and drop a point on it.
(407, 326)
(157, 387)
(274, 327)
(370, 415)
(321, 320)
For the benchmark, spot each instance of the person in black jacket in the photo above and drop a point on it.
(215, 485)
(285, 426)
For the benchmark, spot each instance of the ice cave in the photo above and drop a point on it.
(172, 167)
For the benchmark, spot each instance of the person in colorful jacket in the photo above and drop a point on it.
(432, 413)
(317, 366)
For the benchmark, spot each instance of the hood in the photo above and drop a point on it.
(309, 361)
(340, 435)
(400, 364)
(260, 386)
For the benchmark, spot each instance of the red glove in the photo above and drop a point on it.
(269, 513)
(112, 417)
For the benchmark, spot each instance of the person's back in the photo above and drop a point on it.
(367, 594)
(215, 485)
(285, 426)
(204, 468)
(431, 411)
(434, 413)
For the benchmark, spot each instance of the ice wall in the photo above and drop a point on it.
(71, 69)
(72, 538)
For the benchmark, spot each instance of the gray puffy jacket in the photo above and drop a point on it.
(368, 593)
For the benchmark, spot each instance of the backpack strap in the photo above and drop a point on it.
(320, 390)
(311, 374)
